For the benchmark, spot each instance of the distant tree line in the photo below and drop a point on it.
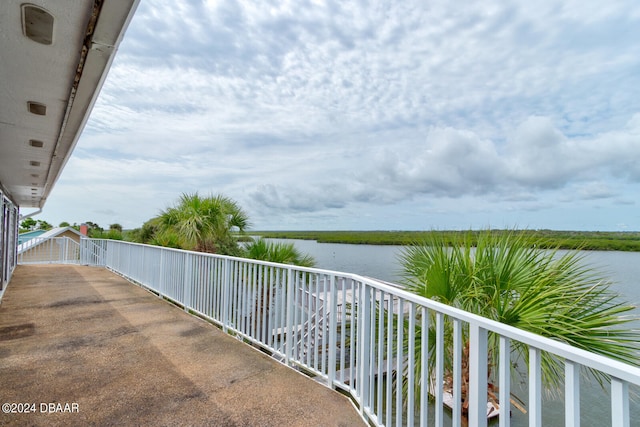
(114, 232)
(31, 224)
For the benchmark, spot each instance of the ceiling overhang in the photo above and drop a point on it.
(55, 58)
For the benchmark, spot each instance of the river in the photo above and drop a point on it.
(381, 262)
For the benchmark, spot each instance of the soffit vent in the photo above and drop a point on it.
(36, 143)
(37, 108)
(37, 24)
(34, 163)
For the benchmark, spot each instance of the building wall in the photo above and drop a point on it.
(70, 234)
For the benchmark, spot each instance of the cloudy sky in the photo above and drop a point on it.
(396, 114)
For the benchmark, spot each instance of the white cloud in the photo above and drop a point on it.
(597, 190)
(314, 112)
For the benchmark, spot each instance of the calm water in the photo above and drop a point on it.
(381, 262)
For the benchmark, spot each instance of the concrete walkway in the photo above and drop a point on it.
(110, 353)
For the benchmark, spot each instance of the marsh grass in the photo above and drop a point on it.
(549, 239)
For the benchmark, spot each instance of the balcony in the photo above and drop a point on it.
(348, 333)
(118, 355)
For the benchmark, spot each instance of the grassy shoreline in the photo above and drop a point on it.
(584, 240)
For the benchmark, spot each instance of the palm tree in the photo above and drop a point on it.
(280, 252)
(205, 224)
(146, 233)
(505, 278)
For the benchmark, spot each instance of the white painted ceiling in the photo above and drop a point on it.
(49, 75)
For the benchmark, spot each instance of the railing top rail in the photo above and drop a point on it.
(36, 241)
(606, 365)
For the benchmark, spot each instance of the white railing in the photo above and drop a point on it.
(49, 250)
(363, 336)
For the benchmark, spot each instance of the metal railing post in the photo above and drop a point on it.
(478, 372)
(620, 403)
(571, 394)
(535, 388)
(439, 375)
(457, 373)
(364, 344)
(505, 382)
(333, 332)
(65, 247)
(187, 281)
(226, 298)
(288, 336)
(161, 278)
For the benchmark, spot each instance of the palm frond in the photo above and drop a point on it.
(505, 277)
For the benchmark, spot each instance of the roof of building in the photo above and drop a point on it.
(57, 231)
(38, 239)
(60, 52)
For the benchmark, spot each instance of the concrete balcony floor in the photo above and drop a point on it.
(85, 336)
